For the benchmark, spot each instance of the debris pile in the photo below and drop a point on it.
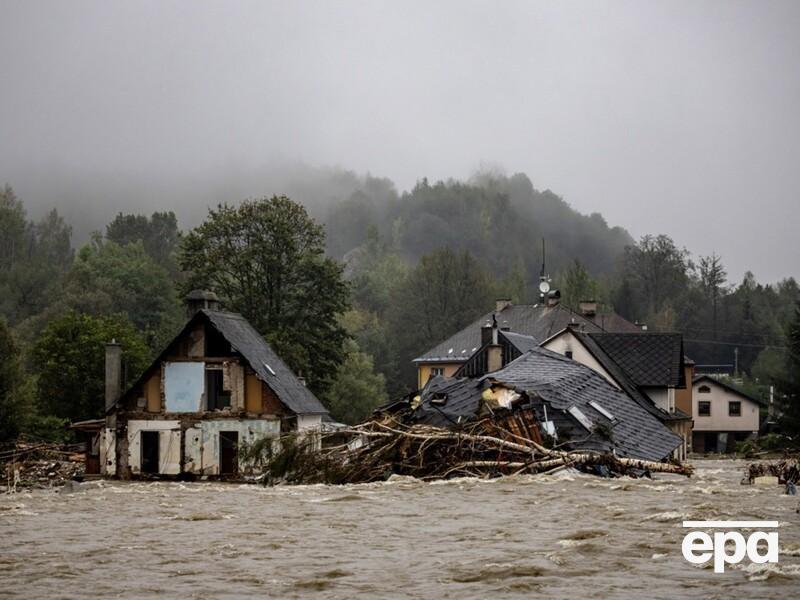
(28, 464)
(785, 470)
(385, 446)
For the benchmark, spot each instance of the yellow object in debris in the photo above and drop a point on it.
(415, 402)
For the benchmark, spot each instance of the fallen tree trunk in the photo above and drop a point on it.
(374, 450)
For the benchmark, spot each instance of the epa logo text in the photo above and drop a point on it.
(699, 547)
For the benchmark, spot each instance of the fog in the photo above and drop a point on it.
(670, 117)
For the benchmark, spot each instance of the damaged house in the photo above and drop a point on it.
(217, 385)
(571, 403)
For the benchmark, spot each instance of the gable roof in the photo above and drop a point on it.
(618, 374)
(463, 400)
(267, 365)
(648, 359)
(535, 320)
(729, 388)
(564, 383)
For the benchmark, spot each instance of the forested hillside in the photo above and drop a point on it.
(414, 266)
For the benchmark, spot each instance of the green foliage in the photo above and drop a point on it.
(69, 359)
(444, 292)
(158, 234)
(265, 258)
(33, 257)
(576, 285)
(789, 386)
(357, 389)
(12, 409)
(107, 278)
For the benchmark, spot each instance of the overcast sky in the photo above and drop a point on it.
(673, 117)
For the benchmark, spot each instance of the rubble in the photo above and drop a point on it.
(787, 470)
(489, 447)
(41, 465)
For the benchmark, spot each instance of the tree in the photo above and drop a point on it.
(357, 389)
(658, 271)
(159, 234)
(69, 359)
(107, 278)
(445, 292)
(12, 410)
(266, 259)
(712, 281)
(33, 258)
(789, 388)
(576, 285)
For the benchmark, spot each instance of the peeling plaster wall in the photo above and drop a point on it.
(202, 443)
(169, 445)
(108, 452)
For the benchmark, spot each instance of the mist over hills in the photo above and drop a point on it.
(500, 219)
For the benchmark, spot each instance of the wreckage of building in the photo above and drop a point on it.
(574, 406)
(216, 387)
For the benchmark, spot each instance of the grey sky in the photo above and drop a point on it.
(673, 117)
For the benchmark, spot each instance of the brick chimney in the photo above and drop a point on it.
(588, 308)
(501, 304)
(553, 298)
(200, 299)
(494, 353)
(113, 373)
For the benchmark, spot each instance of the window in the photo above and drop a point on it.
(602, 410)
(568, 353)
(435, 371)
(218, 397)
(580, 417)
(735, 409)
(704, 389)
(439, 399)
(704, 408)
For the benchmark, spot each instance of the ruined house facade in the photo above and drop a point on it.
(216, 387)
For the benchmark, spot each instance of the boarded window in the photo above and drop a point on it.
(735, 409)
(704, 408)
(184, 386)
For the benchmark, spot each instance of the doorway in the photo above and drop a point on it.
(228, 452)
(150, 457)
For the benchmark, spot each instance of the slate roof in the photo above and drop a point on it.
(523, 343)
(623, 379)
(648, 359)
(563, 383)
(261, 357)
(245, 340)
(463, 401)
(535, 320)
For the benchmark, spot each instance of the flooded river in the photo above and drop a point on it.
(575, 536)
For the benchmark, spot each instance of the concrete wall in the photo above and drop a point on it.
(719, 419)
(108, 452)
(566, 341)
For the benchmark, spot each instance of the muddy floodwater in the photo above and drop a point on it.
(575, 536)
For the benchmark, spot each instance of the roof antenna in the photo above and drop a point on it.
(544, 279)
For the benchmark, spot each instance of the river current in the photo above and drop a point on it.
(570, 536)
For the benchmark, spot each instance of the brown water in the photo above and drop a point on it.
(577, 536)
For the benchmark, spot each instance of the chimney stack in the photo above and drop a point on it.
(486, 333)
(588, 308)
(197, 300)
(553, 298)
(501, 304)
(113, 373)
